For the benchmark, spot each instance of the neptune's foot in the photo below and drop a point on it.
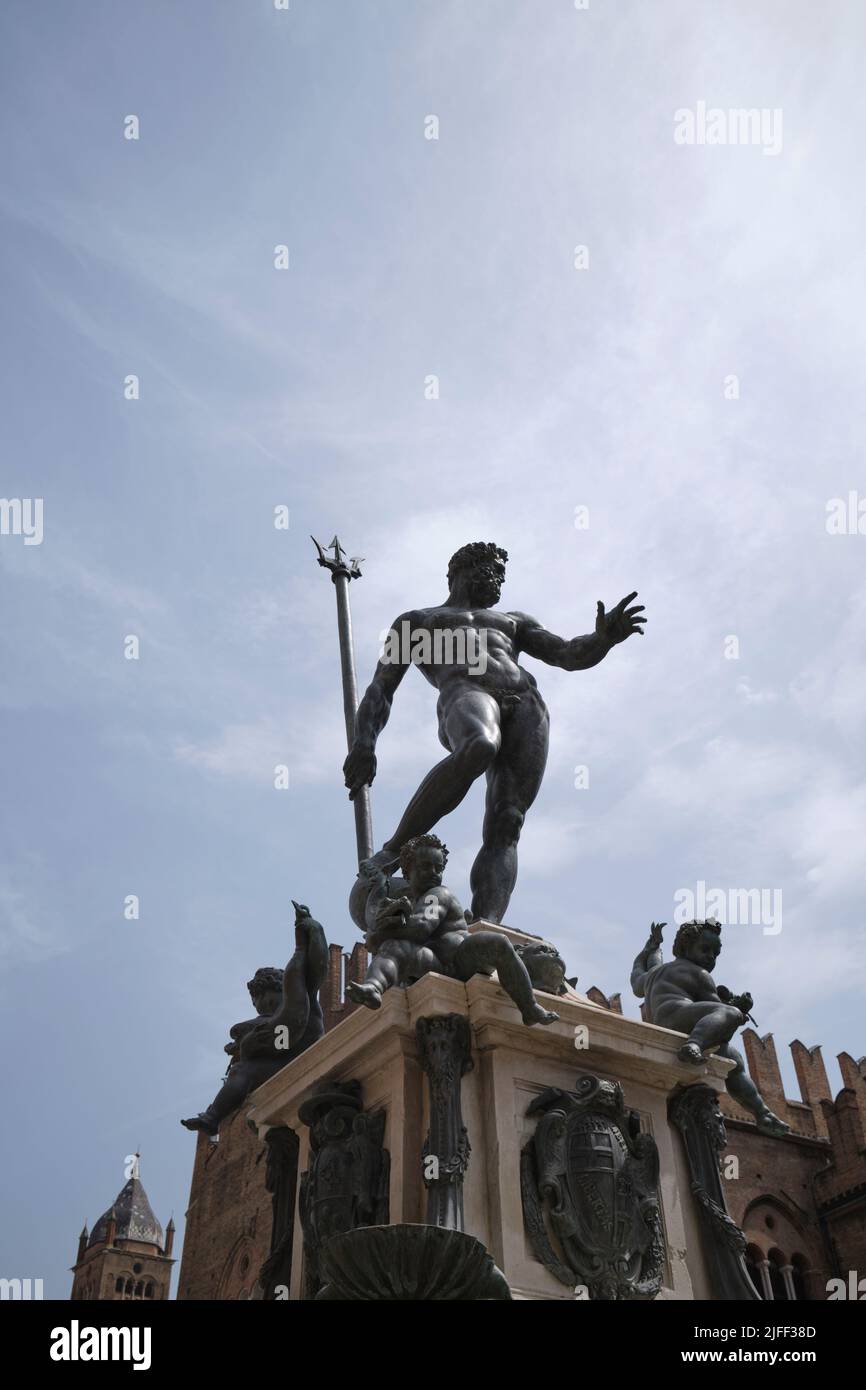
(382, 862)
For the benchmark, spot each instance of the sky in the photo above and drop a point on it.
(675, 408)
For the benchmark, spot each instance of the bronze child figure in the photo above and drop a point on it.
(425, 929)
(683, 996)
(289, 1021)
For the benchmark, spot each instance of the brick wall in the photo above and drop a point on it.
(228, 1221)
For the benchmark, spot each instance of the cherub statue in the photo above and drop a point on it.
(425, 929)
(289, 1021)
(546, 966)
(683, 996)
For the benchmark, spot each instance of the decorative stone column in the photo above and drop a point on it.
(695, 1112)
(766, 1281)
(281, 1180)
(787, 1273)
(444, 1044)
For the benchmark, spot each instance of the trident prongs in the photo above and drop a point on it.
(339, 563)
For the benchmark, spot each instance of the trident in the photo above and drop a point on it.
(342, 569)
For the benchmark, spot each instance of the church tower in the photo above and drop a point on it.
(125, 1256)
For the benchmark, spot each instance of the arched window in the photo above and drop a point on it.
(118, 1284)
(139, 1289)
(148, 1289)
(127, 1292)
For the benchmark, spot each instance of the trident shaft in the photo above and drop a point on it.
(342, 569)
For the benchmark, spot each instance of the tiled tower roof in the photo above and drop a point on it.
(134, 1218)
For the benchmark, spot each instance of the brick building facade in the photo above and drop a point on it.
(801, 1200)
(228, 1221)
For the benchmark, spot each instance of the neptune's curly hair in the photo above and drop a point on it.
(479, 557)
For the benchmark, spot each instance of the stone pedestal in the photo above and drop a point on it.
(511, 1066)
